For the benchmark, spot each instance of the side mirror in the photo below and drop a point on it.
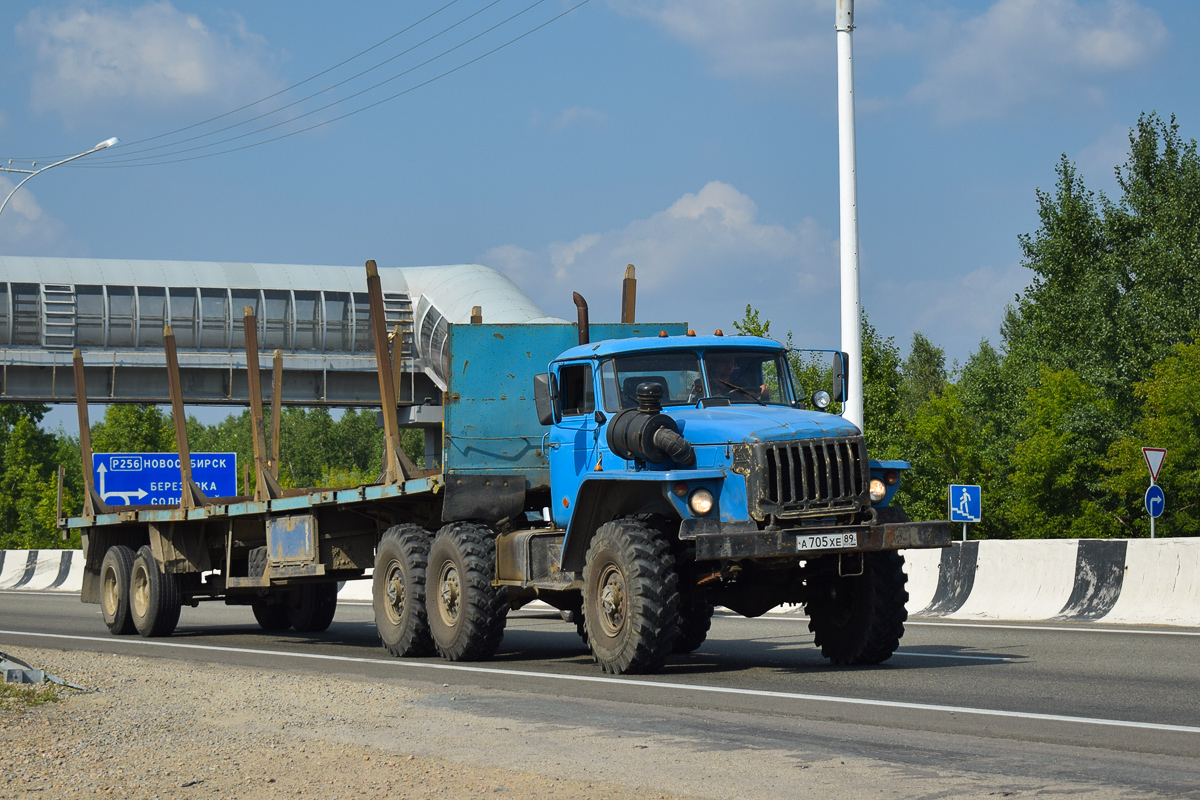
(837, 391)
(545, 397)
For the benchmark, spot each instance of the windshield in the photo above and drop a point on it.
(748, 376)
(677, 373)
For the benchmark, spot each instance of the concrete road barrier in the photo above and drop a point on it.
(41, 570)
(1123, 581)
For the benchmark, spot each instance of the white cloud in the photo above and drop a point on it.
(24, 225)
(1021, 50)
(980, 66)
(702, 260)
(578, 115)
(757, 38)
(955, 312)
(150, 57)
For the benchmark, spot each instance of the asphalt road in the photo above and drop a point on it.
(1102, 705)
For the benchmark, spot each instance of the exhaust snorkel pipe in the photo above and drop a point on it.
(581, 307)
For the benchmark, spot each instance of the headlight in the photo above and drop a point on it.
(701, 502)
(821, 399)
(878, 490)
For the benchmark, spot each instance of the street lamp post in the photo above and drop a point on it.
(29, 173)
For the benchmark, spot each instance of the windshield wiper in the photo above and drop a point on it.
(741, 389)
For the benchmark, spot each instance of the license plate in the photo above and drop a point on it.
(826, 541)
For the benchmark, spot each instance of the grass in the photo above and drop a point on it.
(20, 696)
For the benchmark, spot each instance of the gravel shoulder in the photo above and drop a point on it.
(161, 728)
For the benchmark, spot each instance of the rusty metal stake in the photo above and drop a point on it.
(265, 485)
(93, 503)
(276, 411)
(190, 496)
(397, 465)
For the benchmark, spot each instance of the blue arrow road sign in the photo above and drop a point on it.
(966, 503)
(153, 479)
(1156, 501)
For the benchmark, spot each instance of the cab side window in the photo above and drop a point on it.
(575, 389)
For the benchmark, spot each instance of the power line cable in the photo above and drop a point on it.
(118, 157)
(157, 159)
(296, 85)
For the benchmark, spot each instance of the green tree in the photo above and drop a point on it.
(28, 484)
(134, 429)
(1057, 471)
(923, 375)
(1170, 399)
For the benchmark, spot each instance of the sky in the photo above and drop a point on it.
(696, 139)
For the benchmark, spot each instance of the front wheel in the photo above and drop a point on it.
(466, 612)
(859, 620)
(630, 598)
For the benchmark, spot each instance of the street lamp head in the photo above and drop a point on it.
(106, 143)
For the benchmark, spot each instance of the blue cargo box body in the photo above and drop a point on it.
(490, 423)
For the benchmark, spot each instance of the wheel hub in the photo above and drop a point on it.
(139, 592)
(612, 600)
(112, 592)
(395, 593)
(449, 594)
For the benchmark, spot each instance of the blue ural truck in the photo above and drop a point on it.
(633, 476)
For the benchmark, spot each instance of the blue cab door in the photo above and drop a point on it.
(574, 441)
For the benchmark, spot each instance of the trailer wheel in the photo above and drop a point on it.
(153, 596)
(695, 618)
(859, 620)
(466, 612)
(311, 606)
(271, 616)
(115, 571)
(398, 591)
(630, 598)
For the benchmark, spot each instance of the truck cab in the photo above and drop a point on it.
(710, 445)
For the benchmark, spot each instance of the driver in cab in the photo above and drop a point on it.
(735, 378)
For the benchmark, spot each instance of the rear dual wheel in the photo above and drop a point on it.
(154, 598)
(398, 591)
(115, 571)
(466, 612)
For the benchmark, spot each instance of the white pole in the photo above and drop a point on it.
(852, 409)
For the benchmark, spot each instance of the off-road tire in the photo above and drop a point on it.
(859, 620)
(311, 606)
(630, 598)
(466, 612)
(398, 591)
(695, 619)
(154, 600)
(114, 589)
(271, 616)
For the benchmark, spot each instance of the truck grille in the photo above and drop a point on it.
(814, 477)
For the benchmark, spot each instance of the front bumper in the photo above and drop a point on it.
(734, 540)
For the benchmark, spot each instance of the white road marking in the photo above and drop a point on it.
(1005, 626)
(951, 655)
(682, 687)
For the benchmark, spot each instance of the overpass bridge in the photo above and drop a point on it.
(114, 311)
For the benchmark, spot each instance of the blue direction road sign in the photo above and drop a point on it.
(966, 503)
(1156, 501)
(153, 479)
